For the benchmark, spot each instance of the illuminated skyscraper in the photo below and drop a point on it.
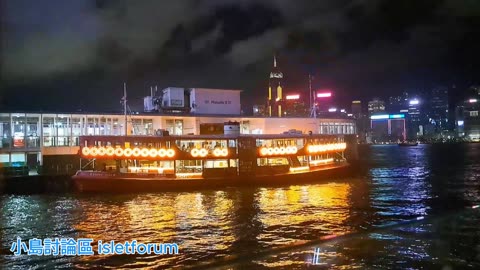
(376, 106)
(275, 89)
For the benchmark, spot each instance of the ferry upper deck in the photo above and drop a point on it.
(51, 141)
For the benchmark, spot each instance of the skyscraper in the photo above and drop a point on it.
(438, 110)
(398, 103)
(376, 105)
(356, 108)
(415, 127)
(275, 89)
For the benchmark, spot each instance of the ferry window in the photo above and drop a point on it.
(271, 161)
(245, 127)
(91, 126)
(62, 124)
(303, 160)
(300, 143)
(116, 130)
(48, 131)
(188, 166)
(32, 135)
(178, 127)
(232, 143)
(169, 126)
(233, 163)
(222, 163)
(18, 130)
(174, 127)
(5, 142)
(137, 126)
(148, 125)
(76, 126)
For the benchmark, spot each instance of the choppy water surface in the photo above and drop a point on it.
(244, 227)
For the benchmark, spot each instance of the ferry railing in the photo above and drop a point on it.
(92, 161)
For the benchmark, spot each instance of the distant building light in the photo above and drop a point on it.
(323, 95)
(387, 116)
(381, 116)
(472, 100)
(342, 110)
(460, 123)
(396, 116)
(414, 102)
(332, 109)
(356, 102)
(349, 114)
(292, 97)
(404, 111)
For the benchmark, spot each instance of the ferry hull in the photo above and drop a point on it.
(129, 185)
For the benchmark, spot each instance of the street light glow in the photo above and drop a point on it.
(472, 100)
(292, 97)
(414, 102)
(323, 95)
(381, 116)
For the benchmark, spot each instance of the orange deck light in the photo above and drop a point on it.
(144, 152)
(127, 152)
(170, 153)
(85, 151)
(101, 151)
(153, 152)
(93, 152)
(110, 151)
(119, 152)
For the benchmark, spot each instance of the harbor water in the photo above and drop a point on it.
(277, 227)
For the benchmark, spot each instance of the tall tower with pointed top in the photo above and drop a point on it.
(275, 89)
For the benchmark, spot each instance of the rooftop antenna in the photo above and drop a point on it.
(124, 99)
(313, 106)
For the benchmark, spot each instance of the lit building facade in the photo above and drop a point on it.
(295, 106)
(357, 108)
(388, 128)
(52, 140)
(414, 125)
(437, 112)
(468, 120)
(376, 106)
(275, 100)
(398, 103)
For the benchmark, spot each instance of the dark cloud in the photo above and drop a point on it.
(88, 48)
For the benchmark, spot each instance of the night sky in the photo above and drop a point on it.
(70, 55)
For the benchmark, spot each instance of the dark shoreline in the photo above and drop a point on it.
(37, 184)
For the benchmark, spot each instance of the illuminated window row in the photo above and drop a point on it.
(127, 152)
(269, 151)
(321, 161)
(218, 152)
(326, 147)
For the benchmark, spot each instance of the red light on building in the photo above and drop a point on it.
(324, 94)
(292, 97)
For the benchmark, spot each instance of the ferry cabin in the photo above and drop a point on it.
(210, 156)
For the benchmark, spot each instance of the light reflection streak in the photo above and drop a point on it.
(316, 207)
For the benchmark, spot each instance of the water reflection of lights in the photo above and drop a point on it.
(322, 207)
(201, 221)
(402, 191)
